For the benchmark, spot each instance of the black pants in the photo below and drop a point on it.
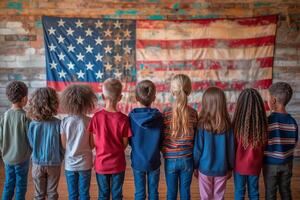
(278, 177)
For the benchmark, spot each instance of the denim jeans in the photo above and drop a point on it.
(15, 178)
(240, 182)
(110, 184)
(140, 178)
(78, 184)
(179, 172)
(278, 177)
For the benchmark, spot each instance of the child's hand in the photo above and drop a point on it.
(196, 173)
(229, 175)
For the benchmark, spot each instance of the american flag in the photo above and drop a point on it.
(229, 53)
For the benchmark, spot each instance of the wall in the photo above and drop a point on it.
(21, 35)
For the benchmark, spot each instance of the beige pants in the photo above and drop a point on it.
(45, 179)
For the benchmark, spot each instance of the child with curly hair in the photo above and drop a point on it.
(77, 101)
(44, 139)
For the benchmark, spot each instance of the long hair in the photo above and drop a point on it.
(214, 116)
(78, 100)
(181, 88)
(249, 120)
(43, 104)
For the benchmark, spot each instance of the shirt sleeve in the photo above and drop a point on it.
(62, 130)
(29, 136)
(126, 129)
(297, 133)
(90, 127)
(198, 146)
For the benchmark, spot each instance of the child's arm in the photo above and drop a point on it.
(63, 140)
(125, 142)
(92, 144)
(198, 145)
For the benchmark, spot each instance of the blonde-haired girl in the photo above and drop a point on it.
(180, 123)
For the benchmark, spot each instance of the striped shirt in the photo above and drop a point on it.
(181, 145)
(282, 139)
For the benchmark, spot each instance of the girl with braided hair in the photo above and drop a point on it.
(250, 129)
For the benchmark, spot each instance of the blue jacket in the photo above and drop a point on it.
(44, 139)
(214, 154)
(146, 125)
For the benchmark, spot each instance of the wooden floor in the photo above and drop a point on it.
(128, 189)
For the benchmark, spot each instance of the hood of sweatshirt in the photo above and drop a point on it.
(146, 117)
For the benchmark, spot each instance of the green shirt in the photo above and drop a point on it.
(14, 144)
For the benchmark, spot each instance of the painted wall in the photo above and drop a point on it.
(21, 35)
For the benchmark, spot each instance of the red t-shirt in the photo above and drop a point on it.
(109, 128)
(248, 161)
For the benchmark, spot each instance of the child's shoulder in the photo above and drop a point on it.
(283, 118)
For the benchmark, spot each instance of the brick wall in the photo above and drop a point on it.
(21, 35)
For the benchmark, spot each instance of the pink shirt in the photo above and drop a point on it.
(109, 128)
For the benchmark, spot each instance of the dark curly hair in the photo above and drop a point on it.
(78, 100)
(43, 104)
(16, 91)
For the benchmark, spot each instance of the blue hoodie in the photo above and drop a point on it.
(146, 126)
(214, 153)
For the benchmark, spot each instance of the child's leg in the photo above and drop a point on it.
(270, 173)
(219, 187)
(185, 177)
(10, 182)
(103, 182)
(72, 183)
(84, 184)
(253, 187)
(39, 178)
(172, 176)
(206, 186)
(21, 179)
(53, 175)
(117, 185)
(153, 181)
(139, 184)
(239, 186)
(286, 172)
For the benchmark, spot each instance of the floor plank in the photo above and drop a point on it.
(128, 189)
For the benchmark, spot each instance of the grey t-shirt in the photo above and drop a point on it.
(78, 155)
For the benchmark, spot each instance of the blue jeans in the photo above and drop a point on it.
(178, 171)
(15, 177)
(240, 182)
(110, 183)
(140, 184)
(78, 184)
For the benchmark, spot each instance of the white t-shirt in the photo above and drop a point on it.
(78, 155)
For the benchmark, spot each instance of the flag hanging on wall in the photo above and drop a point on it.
(229, 53)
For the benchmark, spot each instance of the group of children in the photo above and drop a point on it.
(209, 145)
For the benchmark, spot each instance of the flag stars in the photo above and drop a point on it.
(61, 56)
(127, 33)
(79, 40)
(98, 41)
(107, 49)
(52, 47)
(71, 48)
(80, 57)
(117, 41)
(99, 57)
(117, 58)
(78, 23)
(88, 32)
(118, 75)
(61, 22)
(99, 74)
(51, 31)
(80, 74)
(127, 65)
(60, 39)
(62, 74)
(99, 24)
(89, 66)
(117, 24)
(70, 31)
(107, 33)
(127, 49)
(53, 65)
(70, 65)
(89, 49)
(108, 67)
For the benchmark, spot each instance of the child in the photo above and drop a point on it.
(77, 101)
(180, 123)
(146, 125)
(214, 145)
(13, 142)
(282, 140)
(111, 131)
(44, 139)
(250, 128)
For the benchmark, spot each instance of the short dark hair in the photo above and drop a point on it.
(16, 91)
(43, 104)
(282, 91)
(78, 99)
(145, 92)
